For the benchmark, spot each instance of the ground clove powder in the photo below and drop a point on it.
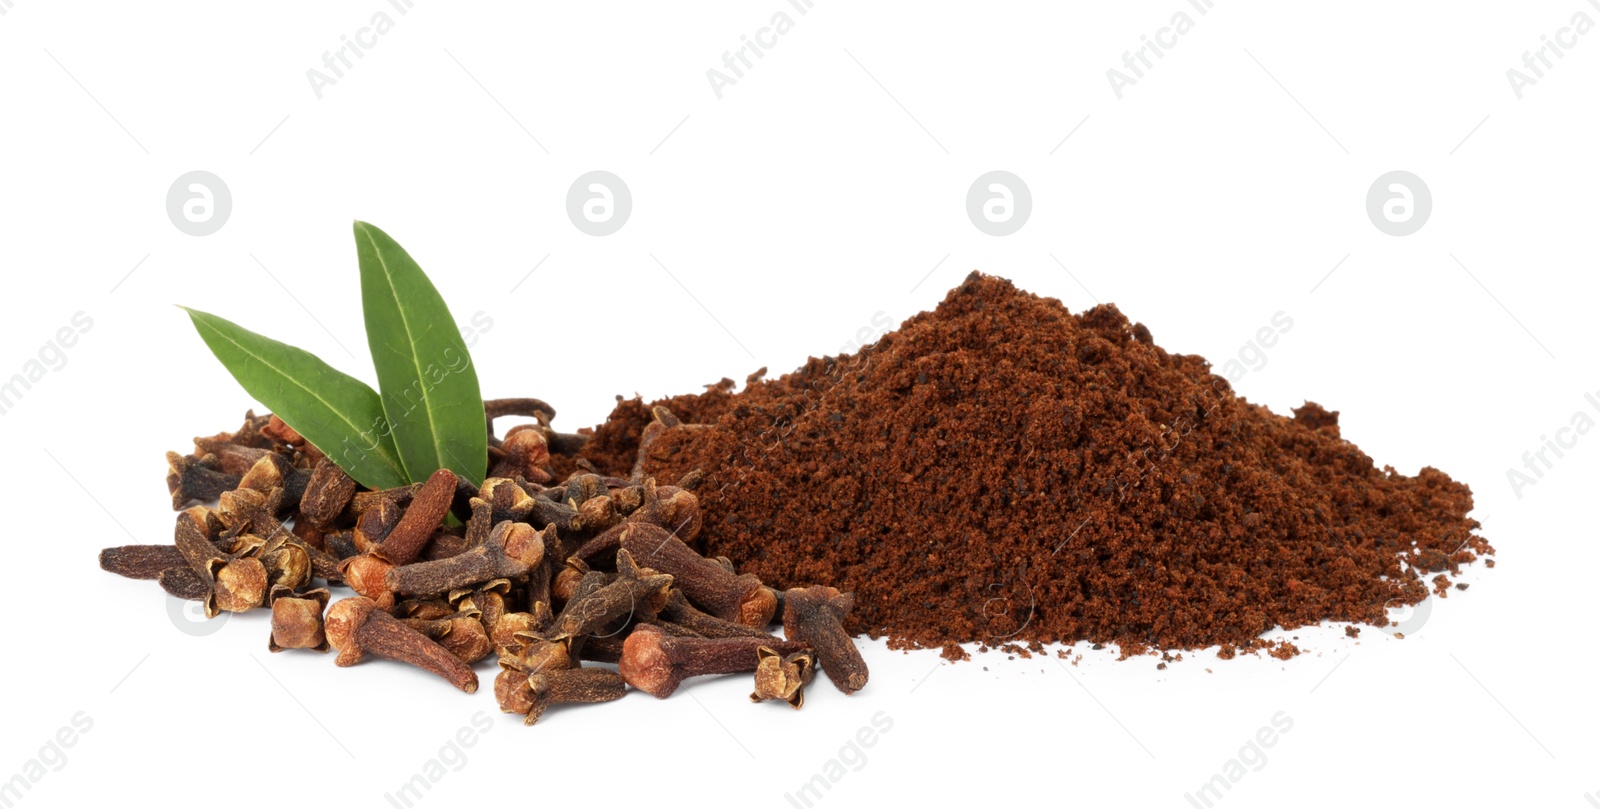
(1002, 471)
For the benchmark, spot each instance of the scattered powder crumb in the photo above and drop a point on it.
(1283, 650)
(1441, 586)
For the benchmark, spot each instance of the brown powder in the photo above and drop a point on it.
(1002, 471)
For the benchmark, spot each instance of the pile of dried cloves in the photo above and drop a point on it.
(545, 575)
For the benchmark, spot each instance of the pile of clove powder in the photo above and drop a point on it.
(1001, 471)
(581, 588)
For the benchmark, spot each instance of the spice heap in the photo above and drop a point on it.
(545, 575)
(1002, 471)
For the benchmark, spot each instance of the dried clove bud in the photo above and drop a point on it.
(629, 497)
(637, 591)
(523, 649)
(193, 543)
(527, 455)
(561, 515)
(566, 581)
(511, 634)
(374, 524)
(656, 663)
(356, 627)
(237, 585)
(783, 677)
(251, 511)
(327, 493)
(679, 611)
(462, 634)
(815, 616)
(678, 511)
(287, 561)
(592, 582)
(511, 550)
(581, 488)
(273, 471)
(421, 519)
(507, 500)
(297, 620)
(235, 582)
(599, 514)
(531, 694)
(739, 598)
(678, 514)
(196, 480)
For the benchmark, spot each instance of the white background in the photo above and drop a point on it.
(826, 186)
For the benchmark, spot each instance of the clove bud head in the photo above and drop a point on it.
(368, 576)
(297, 620)
(240, 585)
(527, 453)
(344, 618)
(783, 678)
(512, 692)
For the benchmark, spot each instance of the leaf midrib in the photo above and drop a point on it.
(405, 323)
(297, 383)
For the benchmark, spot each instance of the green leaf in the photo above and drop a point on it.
(429, 385)
(337, 413)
